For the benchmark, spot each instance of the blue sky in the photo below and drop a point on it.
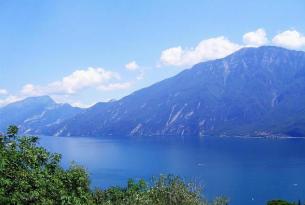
(82, 52)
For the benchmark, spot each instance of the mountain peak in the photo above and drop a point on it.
(33, 114)
(39, 99)
(263, 50)
(254, 91)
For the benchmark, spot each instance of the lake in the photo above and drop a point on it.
(248, 171)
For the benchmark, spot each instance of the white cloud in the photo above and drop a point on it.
(219, 47)
(29, 89)
(132, 66)
(289, 39)
(209, 49)
(255, 38)
(62, 90)
(10, 99)
(115, 86)
(3, 92)
(172, 56)
(78, 80)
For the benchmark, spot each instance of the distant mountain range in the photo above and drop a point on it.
(34, 115)
(254, 91)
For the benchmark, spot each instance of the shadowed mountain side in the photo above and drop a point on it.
(255, 91)
(35, 114)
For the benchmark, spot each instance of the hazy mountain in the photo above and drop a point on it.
(33, 115)
(255, 91)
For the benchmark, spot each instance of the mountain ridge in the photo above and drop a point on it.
(32, 115)
(254, 91)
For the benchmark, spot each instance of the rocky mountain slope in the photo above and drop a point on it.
(255, 91)
(34, 115)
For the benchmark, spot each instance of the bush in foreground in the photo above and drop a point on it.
(29, 174)
(165, 190)
(282, 202)
(32, 175)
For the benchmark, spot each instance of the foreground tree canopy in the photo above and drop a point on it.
(29, 174)
(282, 202)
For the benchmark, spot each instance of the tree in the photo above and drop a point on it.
(1, 138)
(12, 131)
(279, 202)
(31, 175)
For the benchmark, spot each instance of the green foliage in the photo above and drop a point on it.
(12, 131)
(29, 174)
(280, 202)
(164, 190)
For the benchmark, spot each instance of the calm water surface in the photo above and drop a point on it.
(248, 171)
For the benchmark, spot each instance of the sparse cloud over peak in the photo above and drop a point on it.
(208, 49)
(289, 39)
(62, 90)
(255, 38)
(219, 47)
(132, 66)
(78, 80)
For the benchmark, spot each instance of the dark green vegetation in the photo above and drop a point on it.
(282, 202)
(254, 91)
(29, 174)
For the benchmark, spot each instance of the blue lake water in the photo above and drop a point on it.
(248, 171)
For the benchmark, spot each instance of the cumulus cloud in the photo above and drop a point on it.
(209, 49)
(78, 80)
(219, 47)
(69, 85)
(3, 92)
(255, 38)
(132, 66)
(289, 39)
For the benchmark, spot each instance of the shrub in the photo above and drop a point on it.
(280, 202)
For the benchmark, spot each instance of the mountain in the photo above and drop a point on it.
(255, 91)
(35, 114)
